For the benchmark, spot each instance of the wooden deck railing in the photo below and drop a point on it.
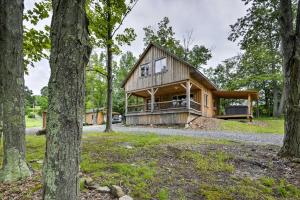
(195, 105)
(163, 106)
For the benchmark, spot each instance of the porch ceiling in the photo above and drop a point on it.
(236, 94)
(163, 90)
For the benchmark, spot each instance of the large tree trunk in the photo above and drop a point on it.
(291, 55)
(109, 71)
(14, 166)
(69, 57)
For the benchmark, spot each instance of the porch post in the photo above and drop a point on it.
(126, 103)
(152, 100)
(249, 104)
(188, 95)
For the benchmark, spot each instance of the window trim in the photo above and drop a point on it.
(162, 71)
(206, 100)
(140, 74)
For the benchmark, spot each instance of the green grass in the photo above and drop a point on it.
(35, 122)
(158, 166)
(260, 125)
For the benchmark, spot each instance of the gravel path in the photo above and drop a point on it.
(275, 139)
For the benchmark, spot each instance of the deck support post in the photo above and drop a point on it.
(126, 103)
(127, 95)
(152, 93)
(188, 94)
(152, 100)
(249, 107)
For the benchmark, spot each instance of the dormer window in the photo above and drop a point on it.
(161, 65)
(145, 70)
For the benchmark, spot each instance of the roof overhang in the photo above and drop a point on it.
(236, 94)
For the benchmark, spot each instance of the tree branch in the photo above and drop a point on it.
(125, 15)
(98, 71)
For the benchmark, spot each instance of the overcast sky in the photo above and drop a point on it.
(209, 20)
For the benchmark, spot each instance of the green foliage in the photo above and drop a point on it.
(36, 43)
(29, 98)
(165, 37)
(127, 61)
(31, 115)
(259, 67)
(95, 96)
(108, 16)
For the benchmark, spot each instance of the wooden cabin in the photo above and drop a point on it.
(171, 91)
(97, 116)
(93, 117)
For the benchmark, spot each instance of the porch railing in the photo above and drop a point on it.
(164, 106)
(195, 105)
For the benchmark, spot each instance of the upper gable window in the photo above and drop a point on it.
(145, 70)
(160, 65)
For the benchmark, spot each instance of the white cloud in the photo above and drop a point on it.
(209, 20)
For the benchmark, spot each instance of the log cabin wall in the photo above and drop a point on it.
(176, 71)
(207, 111)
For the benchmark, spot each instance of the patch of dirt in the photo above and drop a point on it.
(30, 189)
(205, 123)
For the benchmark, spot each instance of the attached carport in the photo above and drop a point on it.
(236, 111)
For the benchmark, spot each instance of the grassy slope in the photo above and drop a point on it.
(165, 167)
(261, 125)
(37, 122)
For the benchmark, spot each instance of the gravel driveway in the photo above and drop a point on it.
(260, 138)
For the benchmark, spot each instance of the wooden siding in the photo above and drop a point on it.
(207, 111)
(176, 71)
(90, 116)
(158, 119)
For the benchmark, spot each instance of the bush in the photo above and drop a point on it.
(31, 115)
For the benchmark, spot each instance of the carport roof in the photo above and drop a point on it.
(236, 94)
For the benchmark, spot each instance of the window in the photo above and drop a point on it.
(206, 100)
(145, 70)
(160, 65)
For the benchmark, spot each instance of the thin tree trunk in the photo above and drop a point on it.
(109, 71)
(1, 107)
(275, 99)
(291, 52)
(275, 93)
(281, 104)
(69, 56)
(14, 166)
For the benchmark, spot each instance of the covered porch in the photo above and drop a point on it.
(242, 107)
(164, 104)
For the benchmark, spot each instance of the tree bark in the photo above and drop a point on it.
(69, 56)
(14, 166)
(109, 71)
(291, 60)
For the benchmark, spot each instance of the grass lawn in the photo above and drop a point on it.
(260, 125)
(173, 167)
(33, 122)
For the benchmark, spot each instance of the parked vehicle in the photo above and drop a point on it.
(117, 119)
